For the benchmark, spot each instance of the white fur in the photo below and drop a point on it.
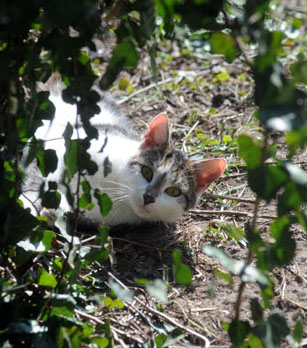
(125, 189)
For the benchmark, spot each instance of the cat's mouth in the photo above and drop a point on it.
(145, 209)
(141, 209)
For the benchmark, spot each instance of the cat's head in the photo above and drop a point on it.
(168, 184)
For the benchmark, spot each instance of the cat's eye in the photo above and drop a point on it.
(147, 173)
(173, 191)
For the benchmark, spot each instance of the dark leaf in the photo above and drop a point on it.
(238, 332)
(124, 56)
(17, 223)
(266, 181)
(257, 311)
(272, 331)
(107, 167)
(200, 14)
(254, 238)
(26, 326)
(282, 251)
(281, 117)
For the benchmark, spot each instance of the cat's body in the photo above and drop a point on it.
(149, 179)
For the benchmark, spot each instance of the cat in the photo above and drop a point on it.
(149, 181)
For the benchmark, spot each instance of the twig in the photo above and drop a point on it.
(238, 41)
(230, 213)
(189, 133)
(194, 323)
(101, 322)
(164, 316)
(296, 303)
(230, 198)
(140, 244)
(145, 89)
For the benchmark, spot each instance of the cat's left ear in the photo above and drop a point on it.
(157, 133)
(208, 171)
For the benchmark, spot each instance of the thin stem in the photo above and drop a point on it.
(252, 227)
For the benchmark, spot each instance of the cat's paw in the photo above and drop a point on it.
(50, 215)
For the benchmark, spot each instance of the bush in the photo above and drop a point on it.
(45, 36)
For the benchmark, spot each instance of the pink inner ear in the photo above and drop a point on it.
(157, 133)
(208, 171)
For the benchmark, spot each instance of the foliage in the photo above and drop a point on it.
(41, 291)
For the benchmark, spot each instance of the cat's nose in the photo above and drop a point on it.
(148, 198)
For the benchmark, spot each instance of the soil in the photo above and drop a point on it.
(199, 106)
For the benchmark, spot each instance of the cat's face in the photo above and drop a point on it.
(165, 183)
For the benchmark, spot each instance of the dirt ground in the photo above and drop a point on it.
(205, 100)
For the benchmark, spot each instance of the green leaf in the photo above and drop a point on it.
(86, 198)
(160, 339)
(42, 245)
(296, 174)
(157, 289)
(223, 275)
(64, 226)
(99, 255)
(298, 331)
(173, 337)
(296, 139)
(63, 305)
(246, 272)
(84, 58)
(48, 238)
(249, 151)
(105, 203)
(46, 279)
(183, 273)
(235, 233)
(71, 158)
(100, 341)
(34, 247)
(222, 43)
(123, 294)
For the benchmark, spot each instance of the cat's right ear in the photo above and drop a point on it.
(157, 134)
